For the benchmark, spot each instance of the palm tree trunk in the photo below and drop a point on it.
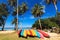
(56, 9)
(17, 17)
(3, 28)
(16, 27)
(40, 23)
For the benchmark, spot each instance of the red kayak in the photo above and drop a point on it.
(44, 33)
(18, 32)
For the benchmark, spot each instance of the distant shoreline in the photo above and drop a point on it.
(13, 28)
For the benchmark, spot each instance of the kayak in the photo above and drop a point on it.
(19, 32)
(25, 34)
(33, 33)
(37, 33)
(42, 37)
(28, 33)
(44, 33)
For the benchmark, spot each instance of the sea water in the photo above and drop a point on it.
(12, 28)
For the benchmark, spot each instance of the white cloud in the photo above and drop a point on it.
(44, 9)
(25, 25)
(31, 17)
(42, 1)
(28, 25)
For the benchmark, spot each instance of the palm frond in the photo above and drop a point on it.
(14, 21)
(37, 10)
(48, 1)
(54, 1)
(12, 2)
(24, 7)
(51, 1)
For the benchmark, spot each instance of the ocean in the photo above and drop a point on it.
(13, 28)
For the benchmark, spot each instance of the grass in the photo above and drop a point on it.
(14, 36)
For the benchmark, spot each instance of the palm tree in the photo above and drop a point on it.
(13, 3)
(1, 19)
(3, 15)
(20, 10)
(15, 22)
(37, 12)
(54, 2)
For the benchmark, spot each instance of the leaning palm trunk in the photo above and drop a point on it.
(56, 12)
(40, 23)
(56, 9)
(55, 2)
(3, 25)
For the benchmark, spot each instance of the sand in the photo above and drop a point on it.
(5, 32)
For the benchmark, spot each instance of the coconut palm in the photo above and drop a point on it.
(37, 12)
(15, 22)
(21, 10)
(3, 15)
(1, 19)
(14, 14)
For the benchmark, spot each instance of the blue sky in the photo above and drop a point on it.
(28, 19)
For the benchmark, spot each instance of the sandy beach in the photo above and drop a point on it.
(5, 32)
(12, 34)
